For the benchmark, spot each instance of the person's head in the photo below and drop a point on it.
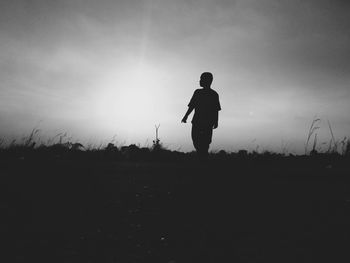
(206, 79)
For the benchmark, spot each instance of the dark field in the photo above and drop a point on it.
(288, 209)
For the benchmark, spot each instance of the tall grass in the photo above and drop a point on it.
(334, 146)
(333, 149)
(62, 145)
(312, 131)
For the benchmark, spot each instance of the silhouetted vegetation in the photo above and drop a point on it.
(61, 147)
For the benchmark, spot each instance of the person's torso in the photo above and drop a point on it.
(205, 107)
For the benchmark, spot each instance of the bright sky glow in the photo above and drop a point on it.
(130, 99)
(104, 69)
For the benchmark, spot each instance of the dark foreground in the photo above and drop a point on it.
(230, 211)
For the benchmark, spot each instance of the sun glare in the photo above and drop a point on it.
(130, 99)
(137, 98)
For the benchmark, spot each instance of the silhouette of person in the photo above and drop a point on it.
(206, 105)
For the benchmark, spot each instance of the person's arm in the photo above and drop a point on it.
(191, 106)
(216, 117)
(188, 112)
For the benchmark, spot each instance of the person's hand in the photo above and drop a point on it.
(215, 126)
(184, 120)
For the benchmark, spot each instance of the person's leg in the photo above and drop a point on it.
(205, 139)
(201, 137)
(197, 139)
(207, 135)
(195, 136)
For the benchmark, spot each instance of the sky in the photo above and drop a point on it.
(111, 70)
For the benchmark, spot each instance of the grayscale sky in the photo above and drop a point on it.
(104, 68)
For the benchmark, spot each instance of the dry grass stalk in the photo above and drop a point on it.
(335, 143)
(312, 130)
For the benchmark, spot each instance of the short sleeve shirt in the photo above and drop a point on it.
(206, 104)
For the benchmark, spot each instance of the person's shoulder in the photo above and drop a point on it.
(214, 92)
(197, 91)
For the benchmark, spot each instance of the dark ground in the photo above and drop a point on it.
(290, 210)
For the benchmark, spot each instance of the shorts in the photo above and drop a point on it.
(201, 136)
